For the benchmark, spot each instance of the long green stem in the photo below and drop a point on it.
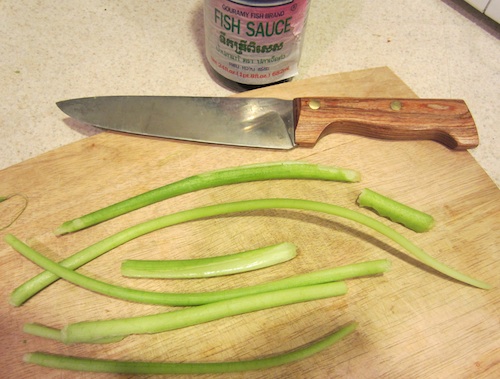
(39, 282)
(89, 331)
(240, 174)
(212, 266)
(164, 368)
(189, 299)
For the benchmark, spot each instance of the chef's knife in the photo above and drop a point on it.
(276, 123)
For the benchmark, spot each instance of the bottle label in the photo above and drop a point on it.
(254, 42)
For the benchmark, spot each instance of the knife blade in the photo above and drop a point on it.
(278, 123)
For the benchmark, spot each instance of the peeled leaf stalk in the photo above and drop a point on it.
(42, 280)
(410, 217)
(165, 368)
(210, 179)
(89, 331)
(212, 266)
(189, 299)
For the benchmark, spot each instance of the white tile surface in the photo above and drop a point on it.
(493, 10)
(479, 4)
(53, 50)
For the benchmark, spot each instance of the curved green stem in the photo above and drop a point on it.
(42, 280)
(212, 266)
(164, 368)
(240, 174)
(89, 331)
(189, 299)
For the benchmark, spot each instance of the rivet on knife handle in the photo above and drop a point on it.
(446, 121)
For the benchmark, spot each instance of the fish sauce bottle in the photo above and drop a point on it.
(254, 43)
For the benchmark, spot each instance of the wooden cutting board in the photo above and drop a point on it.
(413, 322)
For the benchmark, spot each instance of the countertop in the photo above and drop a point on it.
(52, 51)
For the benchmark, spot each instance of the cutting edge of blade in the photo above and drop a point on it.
(71, 107)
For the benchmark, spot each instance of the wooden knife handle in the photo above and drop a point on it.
(446, 121)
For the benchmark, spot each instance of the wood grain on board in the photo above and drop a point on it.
(413, 322)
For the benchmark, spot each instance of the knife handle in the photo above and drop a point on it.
(446, 121)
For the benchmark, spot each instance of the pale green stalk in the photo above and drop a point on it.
(189, 299)
(240, 174)
(412, 218)
(212, 266)
(89, 331)
(44, 279)
(55, 334)
(164, 368)
(42, 331)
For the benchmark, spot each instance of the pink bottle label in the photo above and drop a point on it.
(255, 44)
